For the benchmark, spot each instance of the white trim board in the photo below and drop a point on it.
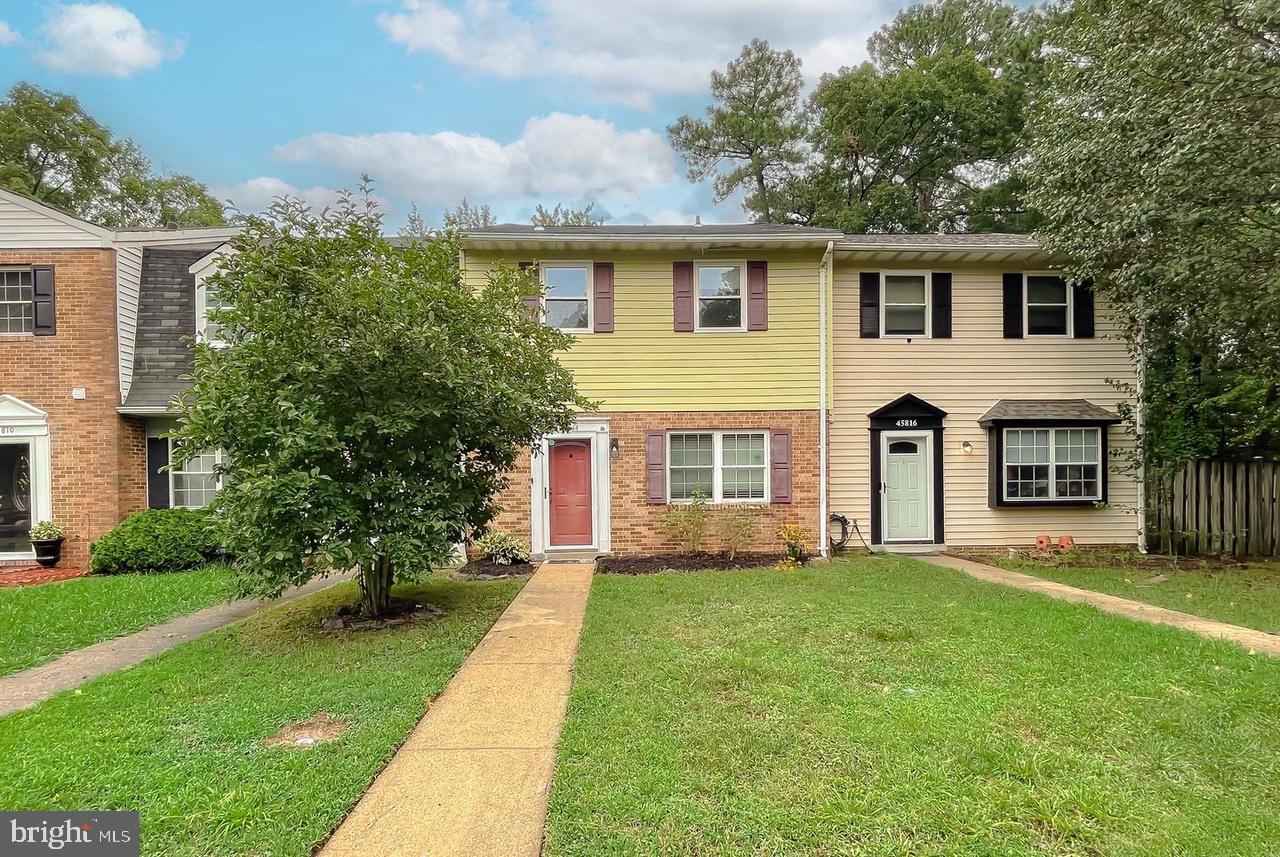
(595, 429)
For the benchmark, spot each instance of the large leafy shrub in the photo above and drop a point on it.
(156, 540)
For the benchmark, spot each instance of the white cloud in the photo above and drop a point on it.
(255, 195)
(102, 38)
(556, 157)
(658, 47)
(8, 35)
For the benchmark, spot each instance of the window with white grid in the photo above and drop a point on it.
(196, 483)
(17, 311)
(723, 467)
(1052, 464)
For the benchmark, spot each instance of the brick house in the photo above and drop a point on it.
(87, 321)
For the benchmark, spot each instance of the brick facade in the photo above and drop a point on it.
(98, 470)
(634, 522)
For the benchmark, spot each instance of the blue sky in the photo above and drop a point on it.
(508, 104)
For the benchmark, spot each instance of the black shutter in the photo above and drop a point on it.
(1082, 304)
(1013, 306)
(941, 305)
(43, 303)
(157, 477)
(869, 286)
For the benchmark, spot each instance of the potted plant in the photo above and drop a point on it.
(46, 537)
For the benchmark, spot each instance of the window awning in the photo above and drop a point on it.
(1045, 411)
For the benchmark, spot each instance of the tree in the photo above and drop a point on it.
(51, 149)
(367, 403)
(467, 216)
(908, 150)
(564, 216)
(756, 124)
(1155, 161)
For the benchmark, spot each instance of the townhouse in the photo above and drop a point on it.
(91, 348)
(932, 390)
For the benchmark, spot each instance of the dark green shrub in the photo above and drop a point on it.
(156, 540)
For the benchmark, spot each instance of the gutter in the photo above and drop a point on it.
(824, 285)
(140, 411)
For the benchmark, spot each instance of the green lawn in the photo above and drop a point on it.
(1248, 595)
(38, 623)
(886, 707)
(179, 737)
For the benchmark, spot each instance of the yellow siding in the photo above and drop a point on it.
(646, 366)
(964, 376)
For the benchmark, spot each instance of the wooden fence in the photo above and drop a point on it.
(1216, 507)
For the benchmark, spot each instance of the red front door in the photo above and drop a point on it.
(570, 483)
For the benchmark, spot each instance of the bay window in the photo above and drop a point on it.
(1052, 464)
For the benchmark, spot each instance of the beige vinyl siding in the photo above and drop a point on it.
(128, 280)
(646, 366)
(23, 227)
(966, 375)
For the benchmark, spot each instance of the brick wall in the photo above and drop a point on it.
(96, 471)
(635, 522)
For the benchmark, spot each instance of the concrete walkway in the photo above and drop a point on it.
(24, 689)
(1254, 641)
(474, 775)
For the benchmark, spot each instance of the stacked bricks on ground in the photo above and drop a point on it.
(98, 466)
(635, 522)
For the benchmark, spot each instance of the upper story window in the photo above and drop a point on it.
(720, 466)
(1048, 305)
(721, 296)
(905, 303)
(17, 301)
(1052, 464)
(210, 330)
(567, 299)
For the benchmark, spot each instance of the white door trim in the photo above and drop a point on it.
(887, 437)
(21, 423)
(596, 431)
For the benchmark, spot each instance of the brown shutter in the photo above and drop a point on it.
(655, 467)
(941, 328)
(780, 466)
(1012, 306)
(1082, 310)
(157, 476)
(43, 303)
(682, 296)
(532, 303)
(869, 304)
(757, 296)
(602, 297)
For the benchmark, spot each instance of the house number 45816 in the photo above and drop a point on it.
(907, 423)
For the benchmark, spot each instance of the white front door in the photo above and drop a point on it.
(907, 486)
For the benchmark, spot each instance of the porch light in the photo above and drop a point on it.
(614, 449)
(966, 447)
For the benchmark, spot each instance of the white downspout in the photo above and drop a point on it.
(824, 538)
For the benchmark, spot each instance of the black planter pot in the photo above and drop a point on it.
(48, 551)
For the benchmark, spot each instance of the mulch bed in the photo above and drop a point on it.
(483, 569)
(33, 575)
(403, 612)
(701, 561)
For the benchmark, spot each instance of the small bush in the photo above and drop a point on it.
(793, 539)
(687, 523)
(737, 526)
(156, 540)
(502, 548)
